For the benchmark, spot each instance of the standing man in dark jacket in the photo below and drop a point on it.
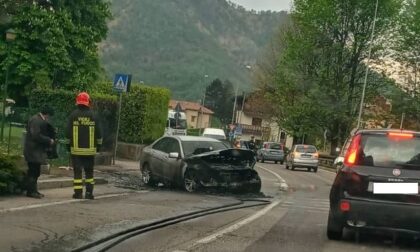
(85, 139)
(37, 142)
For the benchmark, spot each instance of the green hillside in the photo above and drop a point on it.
(175, 43)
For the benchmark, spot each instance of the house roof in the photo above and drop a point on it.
(187, 105)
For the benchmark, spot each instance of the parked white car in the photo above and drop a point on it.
(218, 134)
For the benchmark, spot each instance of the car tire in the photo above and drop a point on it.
(281, 162)
(190, 182)
(262, 159)
(334, 228)
(287, 166)
(147, 175)
(309, 169)
(275, 162)
(255, 188)
(316, 169)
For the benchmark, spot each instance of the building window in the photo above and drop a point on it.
(193, 118)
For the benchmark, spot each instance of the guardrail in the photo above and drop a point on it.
(327, 161)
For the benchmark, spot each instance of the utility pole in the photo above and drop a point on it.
(202, 106)
(362, 101)
(234, 104)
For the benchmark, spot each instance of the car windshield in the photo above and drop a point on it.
(177, 124)
(198, 147)
(306, 149)
(384, 151)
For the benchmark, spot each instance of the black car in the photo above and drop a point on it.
(378, 185)
(199, 162)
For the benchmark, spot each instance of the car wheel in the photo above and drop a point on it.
(262, 159)
(287, 166)
(334, 228)
(309, 169)
(190, 182)
(275, 162)
(281, 162)
(147, 176)
(315, 169)
(256, 188)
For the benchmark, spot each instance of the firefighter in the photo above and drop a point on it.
(85, 139)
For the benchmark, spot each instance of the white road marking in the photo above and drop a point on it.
(56, 203)
(237, 225)
(247, 220)
(283, 184)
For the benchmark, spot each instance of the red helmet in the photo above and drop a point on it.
(83, 99)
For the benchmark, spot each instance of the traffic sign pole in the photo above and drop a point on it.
(118, 129)
(121, 84)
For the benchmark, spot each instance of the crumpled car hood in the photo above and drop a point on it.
(227, 159)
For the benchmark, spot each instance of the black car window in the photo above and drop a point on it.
(161, 144)
(306, 149)
(198, 147)
(274, 146)
(172, 145)
(384, 151)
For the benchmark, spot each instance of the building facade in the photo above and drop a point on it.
(197, 115)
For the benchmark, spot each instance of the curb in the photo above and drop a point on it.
(64, 182)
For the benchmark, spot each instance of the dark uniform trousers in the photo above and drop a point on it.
(81, 163)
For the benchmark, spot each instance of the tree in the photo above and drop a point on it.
(219, 98)
(408, 33)
(56, 44)
(320, 65)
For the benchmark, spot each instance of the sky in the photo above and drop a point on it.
(259, 5)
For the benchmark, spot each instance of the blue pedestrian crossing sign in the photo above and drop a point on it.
(122, 83)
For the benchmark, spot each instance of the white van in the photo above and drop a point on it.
(214, 133)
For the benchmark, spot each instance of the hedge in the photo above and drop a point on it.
(144, 114)
(11, 178)
(63, 102)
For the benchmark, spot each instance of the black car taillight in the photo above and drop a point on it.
(353, 151)
(345, 206)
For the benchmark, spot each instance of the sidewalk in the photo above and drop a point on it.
(57, 187)
(64, 177)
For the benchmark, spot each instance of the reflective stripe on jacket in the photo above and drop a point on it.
(83, 132)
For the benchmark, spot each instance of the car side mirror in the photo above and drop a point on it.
(339, 161)
(174, 155)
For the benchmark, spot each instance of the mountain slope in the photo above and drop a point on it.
(176, 43)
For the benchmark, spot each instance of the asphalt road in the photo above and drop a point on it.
(294, 221)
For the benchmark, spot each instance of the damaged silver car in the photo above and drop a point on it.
(195, 163)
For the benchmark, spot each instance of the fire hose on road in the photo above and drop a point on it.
(111, 241)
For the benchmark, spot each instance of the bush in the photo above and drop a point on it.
(11, 177)
(144, 114)
(63, 102)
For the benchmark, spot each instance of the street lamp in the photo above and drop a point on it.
(10, 37)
